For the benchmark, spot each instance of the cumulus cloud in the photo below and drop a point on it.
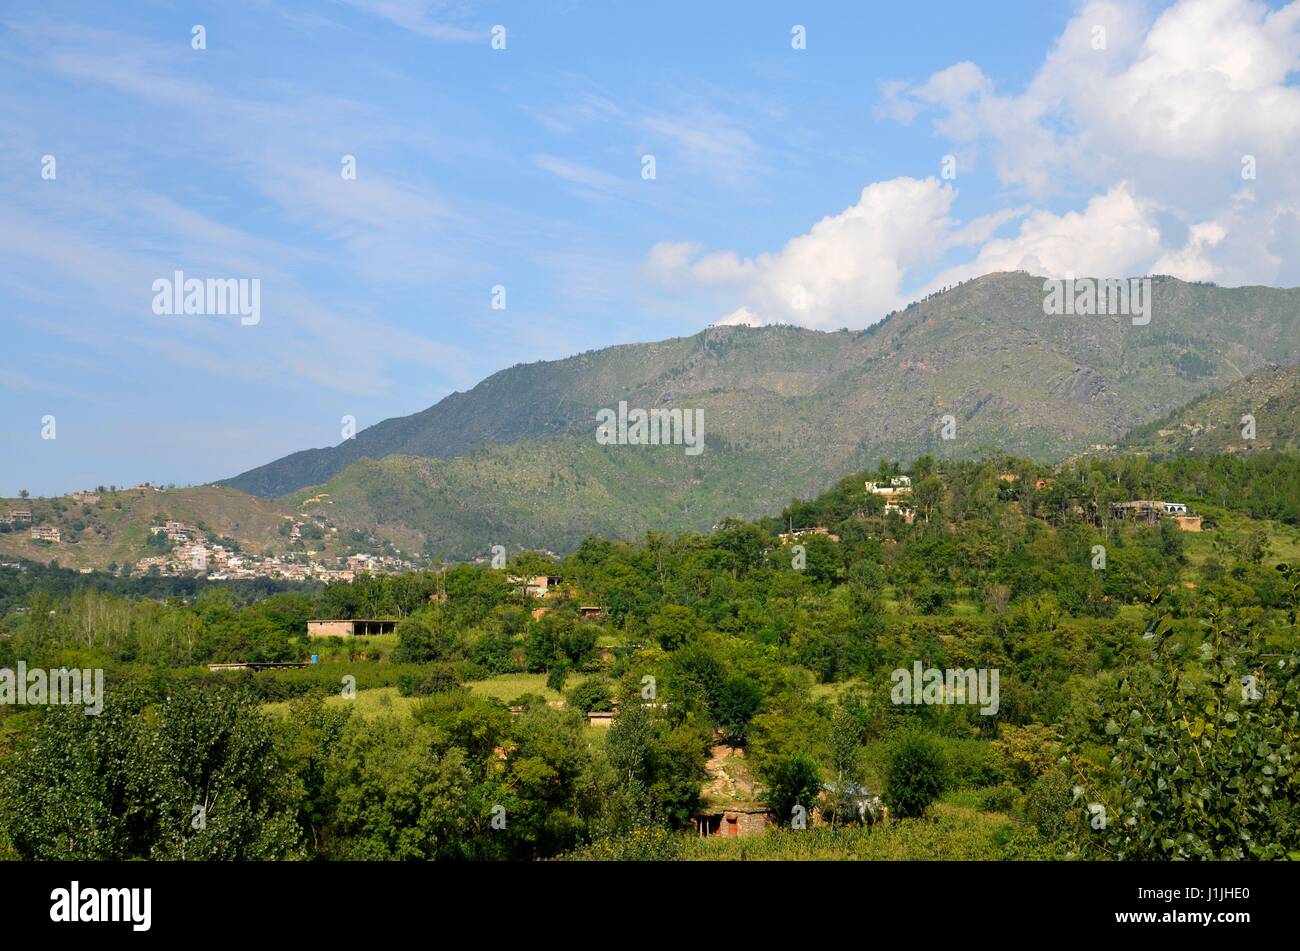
(1180, 128)
(1114, 235)
(1194, 111)
(847, 270)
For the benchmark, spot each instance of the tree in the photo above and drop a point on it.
(657, 771)
(424, 637)
(217, 781)
(674, 626)
(22, 493)
(738, 702)
(397, 798)
(557, 676)
(927, 497)
(1255, 546)
(1204, 766)
(845, 765)
(697, 676)
(199, 777)
(916, 775)
(793, 781)
(1171, 540)
(592, 694)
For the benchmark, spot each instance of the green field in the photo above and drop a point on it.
(384, 701)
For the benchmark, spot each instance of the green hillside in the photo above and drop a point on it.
(545, 494)
(1129, 665)
(1214, 422)
(515, 461)
(983, 352)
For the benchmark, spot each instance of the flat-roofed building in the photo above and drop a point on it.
(356, 627)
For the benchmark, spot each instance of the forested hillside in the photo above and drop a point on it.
(1255, 414)
(786, 411)
(743, 670)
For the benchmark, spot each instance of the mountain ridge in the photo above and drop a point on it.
(948, 353)
(787, 410)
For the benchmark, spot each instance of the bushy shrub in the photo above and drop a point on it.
(592, 694)
(1000, 798)
(644, 844)
(793, 781)
(917, 774)
(972, 763)
(1047, 805)
(439, 678)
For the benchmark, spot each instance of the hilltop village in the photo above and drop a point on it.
(207, 532)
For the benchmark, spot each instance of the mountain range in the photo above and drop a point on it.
(786, 411)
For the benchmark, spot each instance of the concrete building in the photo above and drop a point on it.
(357, 627)
(539, 586)
(798, 533)
(899, 485)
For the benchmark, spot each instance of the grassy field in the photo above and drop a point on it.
(341, 648)
(386, 701)
(508, 686)
(949, 833)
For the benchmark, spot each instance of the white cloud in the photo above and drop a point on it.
(1150, 117)
(1115, 235)
(709, 143)
(847, 270)
(1171, 105)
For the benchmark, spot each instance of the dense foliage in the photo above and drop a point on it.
(739, 668)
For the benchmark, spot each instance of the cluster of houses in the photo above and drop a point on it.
(220, 563)
(39, 533)
(796, 534)
(897, 494)
(192, 555)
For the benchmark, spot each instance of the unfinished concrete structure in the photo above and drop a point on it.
(357, 627)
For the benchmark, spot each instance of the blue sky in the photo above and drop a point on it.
(798, 185)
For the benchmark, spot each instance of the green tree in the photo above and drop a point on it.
(845, 765)
(590, 695)
(557, 676)
(1206, 763)
(674, 626)
(916, 775)
(793, 781)
(738, 701)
